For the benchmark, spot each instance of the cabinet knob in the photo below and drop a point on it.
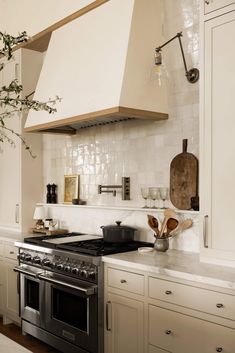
(123, 281)
(207, 2)
(11, 252)
(219, 349)
(219, 305)
(168, 332)
(168, 292)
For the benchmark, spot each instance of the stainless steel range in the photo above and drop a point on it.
(61, 289)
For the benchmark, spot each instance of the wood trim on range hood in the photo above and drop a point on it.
(40, 41)
(106, 116)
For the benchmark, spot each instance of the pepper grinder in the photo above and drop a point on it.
(49, 193)
(53, 193)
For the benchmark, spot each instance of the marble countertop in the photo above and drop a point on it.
(12, 236)
(177, 264)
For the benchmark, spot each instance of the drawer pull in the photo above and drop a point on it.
(168, 332)
(219, 305)
(219, 349)
(123, 281)
(168, 292)
(11, 252)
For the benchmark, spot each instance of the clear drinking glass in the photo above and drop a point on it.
(154, 195)
(145, 195)
(164, 195)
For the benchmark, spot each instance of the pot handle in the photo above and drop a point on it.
(118, 223)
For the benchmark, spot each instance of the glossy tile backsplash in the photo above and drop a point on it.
(137, 149)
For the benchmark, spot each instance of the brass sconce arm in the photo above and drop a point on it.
(192, 74)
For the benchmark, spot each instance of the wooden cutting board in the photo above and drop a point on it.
(183, 178)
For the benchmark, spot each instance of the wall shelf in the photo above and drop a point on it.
(107, 207)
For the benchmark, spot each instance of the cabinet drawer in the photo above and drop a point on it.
(176, 333)
(208, 301)
(10, 251)
(128, 281)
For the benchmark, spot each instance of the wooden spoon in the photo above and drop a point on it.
(153, 223)
(187, 223)
(168, 213)
(171, 224)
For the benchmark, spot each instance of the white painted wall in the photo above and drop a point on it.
(34, 15)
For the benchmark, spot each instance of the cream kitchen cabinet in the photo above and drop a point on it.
(213, 5)
(165, 314)
(9, 283)
(218, 143)
(124, 313)
(10, 292)
(21, 179)
(124, 325)
(180, 333)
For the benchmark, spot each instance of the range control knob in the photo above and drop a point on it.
(67, 268)
(36, 260)
(84, 272)
(91, 274)
(75, 270)
(46, 262)
(27, 257)
(59, 266)
(22, 256)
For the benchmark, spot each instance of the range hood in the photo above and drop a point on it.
(101, 65)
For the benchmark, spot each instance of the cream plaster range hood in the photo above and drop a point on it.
(101, 65)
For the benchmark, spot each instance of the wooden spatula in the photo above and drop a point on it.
(153, 223)
(171, 224)
(187, 223)
(168, 213)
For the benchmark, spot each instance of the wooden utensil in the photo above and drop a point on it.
(171, 224)
(183, 178)
(153, 223)
(168, 213)
(187, 223)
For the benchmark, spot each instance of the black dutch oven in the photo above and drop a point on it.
(118, 233)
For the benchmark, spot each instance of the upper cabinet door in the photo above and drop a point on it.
(10, 159)
(212, 5)
(218, 137)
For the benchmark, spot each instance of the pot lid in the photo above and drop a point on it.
(117, 226)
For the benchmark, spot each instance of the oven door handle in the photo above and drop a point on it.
(88, 291)
(26, 272)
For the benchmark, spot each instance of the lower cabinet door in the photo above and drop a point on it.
(124, 325)
(10, 291)
(179, 333)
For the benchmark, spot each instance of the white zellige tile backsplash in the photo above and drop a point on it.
(138, 149)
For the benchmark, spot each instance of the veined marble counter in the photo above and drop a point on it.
(7, 235)
(177, 264)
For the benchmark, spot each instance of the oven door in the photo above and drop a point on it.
(71, 310)
(31, 294)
